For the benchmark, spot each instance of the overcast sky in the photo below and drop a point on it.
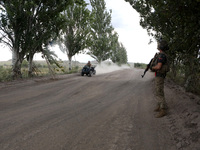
(125, 20)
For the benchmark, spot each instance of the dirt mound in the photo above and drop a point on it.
(184, 116)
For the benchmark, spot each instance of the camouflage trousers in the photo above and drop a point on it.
(159, 92)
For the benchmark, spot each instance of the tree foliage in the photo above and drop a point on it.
(31, 26)
(178, 23)
(28, 24)
(101, 31)
(119, 54)
(73, 35)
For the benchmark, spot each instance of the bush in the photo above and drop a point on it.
(140, 65)
(25, 64)
(190, 82)
(75, 69)
(5, 74)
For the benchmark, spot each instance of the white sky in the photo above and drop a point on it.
(125, 20)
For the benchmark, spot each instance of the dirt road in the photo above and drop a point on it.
(112, 111)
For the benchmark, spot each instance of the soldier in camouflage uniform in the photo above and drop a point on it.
(161, 68)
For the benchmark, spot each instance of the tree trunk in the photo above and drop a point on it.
(50, 70)
(16, 65)
(30, 65)
(174, 65)
(192, 74)
(70, 62)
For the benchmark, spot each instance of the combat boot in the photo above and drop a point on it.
(157, 109)
(161, 113)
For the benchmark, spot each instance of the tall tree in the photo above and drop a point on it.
(74, 33)
(119, 53)
(178, 23)
(26, 25)
(101, 30)
(43, 25)
(11, 30)
(122, 53)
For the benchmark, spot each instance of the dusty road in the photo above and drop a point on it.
(111, 111)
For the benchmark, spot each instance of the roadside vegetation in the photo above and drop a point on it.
(178, 23)
(178, 79)
(40, 69)
(30, 27)
(140, 65)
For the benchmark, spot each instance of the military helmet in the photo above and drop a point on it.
(163, 45)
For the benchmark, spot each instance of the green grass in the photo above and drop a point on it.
(5, 74)
(40, 69)
(140, 65)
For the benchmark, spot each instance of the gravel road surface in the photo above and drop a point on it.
(112, 111)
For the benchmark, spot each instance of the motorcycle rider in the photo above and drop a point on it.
(88, 64)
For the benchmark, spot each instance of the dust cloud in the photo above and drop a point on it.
(106, 67)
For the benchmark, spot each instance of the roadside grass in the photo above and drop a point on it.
(5, 74)
(40, 69)
(140, 65)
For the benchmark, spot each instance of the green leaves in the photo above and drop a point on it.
(73, 35)
(27, 26)
(178, 23)
(103, 41)
(100, 32)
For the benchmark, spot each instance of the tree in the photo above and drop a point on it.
(26, 25)
(43, 25)
(122, 54)
(178, 23)
(74, 33)
(11, 29)
(101, 31)
(119, 54)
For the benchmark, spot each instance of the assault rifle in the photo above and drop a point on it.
(151, 64)
(147, 68)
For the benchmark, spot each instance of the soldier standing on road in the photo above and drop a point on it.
(161, 68)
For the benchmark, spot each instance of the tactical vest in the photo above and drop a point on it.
(165, 66)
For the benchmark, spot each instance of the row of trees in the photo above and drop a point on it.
(104, 43)
(31, 26)
(177, 22)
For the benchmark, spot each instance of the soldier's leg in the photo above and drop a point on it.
(160, 96)
(159, 90)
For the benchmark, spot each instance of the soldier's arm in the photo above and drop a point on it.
(157, 67)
